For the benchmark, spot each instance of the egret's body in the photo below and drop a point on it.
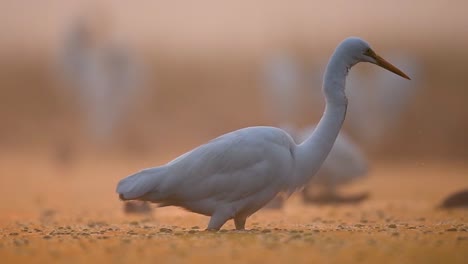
(233, 176)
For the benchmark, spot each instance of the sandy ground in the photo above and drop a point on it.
(54, 212)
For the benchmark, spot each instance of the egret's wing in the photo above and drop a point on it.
(230, 167)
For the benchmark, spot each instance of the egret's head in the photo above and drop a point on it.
(358, 50)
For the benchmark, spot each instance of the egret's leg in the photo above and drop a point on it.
(217, 220)
(240, 222)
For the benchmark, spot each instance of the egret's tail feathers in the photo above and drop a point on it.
(140, 183)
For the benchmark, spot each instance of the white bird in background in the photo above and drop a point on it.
(236, 174)
(281, 92)
(105, 76)
(344, 164)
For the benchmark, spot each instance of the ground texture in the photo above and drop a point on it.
(52, 212)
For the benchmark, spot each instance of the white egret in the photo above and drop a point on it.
(345, 162)
(236, 174)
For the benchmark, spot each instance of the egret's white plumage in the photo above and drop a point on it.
(234, 175)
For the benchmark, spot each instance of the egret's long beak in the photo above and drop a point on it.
(385, 64)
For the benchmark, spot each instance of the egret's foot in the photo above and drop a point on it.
(333, 198)
(217, 220)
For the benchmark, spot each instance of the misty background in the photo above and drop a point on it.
(196, 73)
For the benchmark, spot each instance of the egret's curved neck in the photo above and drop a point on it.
(314, 150)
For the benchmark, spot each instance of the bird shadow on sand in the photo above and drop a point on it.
(456, 200)
(334, 199)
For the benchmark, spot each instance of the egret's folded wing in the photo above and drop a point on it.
(229, 167)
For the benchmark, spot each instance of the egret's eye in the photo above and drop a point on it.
(368, 51)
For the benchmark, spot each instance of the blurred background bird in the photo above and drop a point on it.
(107, 81)
(103, 73)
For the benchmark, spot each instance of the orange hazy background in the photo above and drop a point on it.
(201, 62)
